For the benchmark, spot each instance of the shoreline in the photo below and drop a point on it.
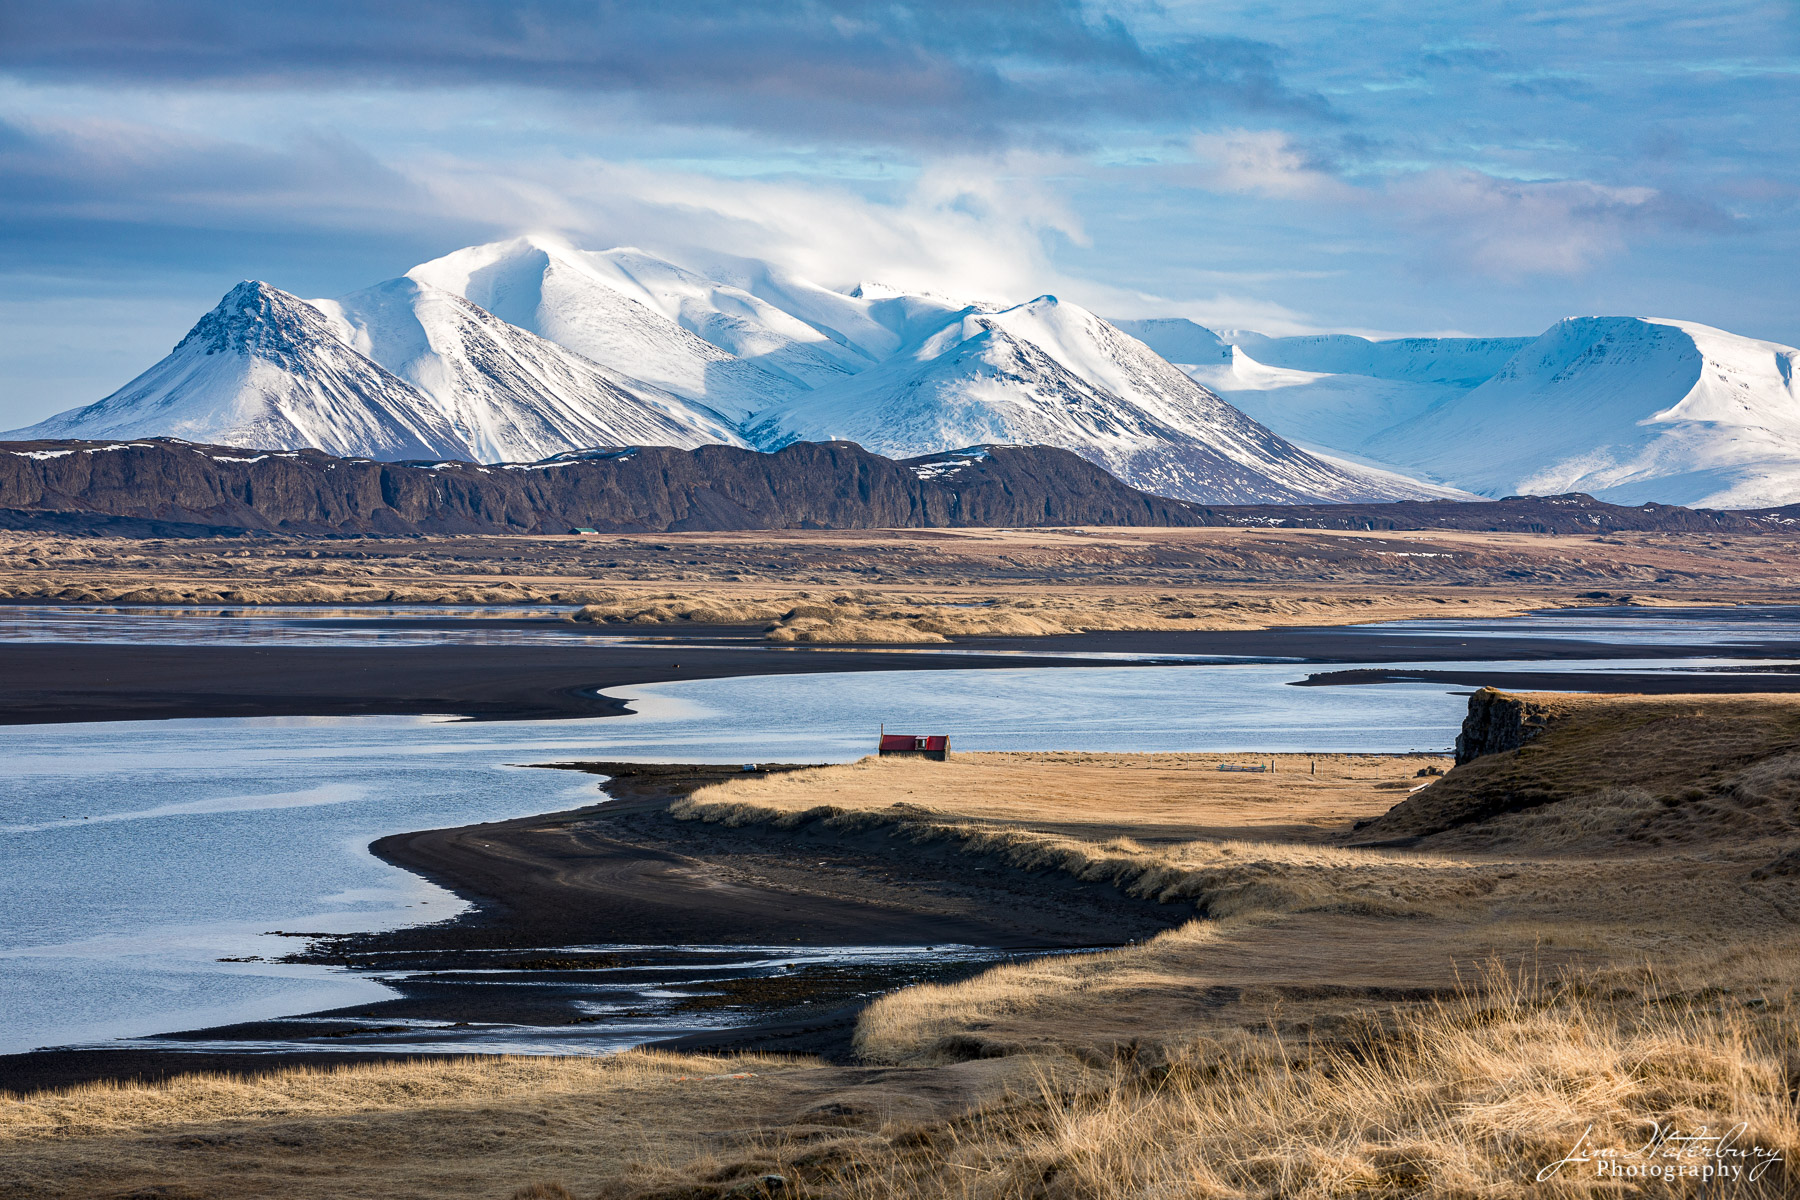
(83, 681)
(80, 682)
(1722, 681)
(623, 872)
(663, 884)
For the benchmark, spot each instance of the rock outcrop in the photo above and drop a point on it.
(1596, 773)
(164, 487)
(173, 487)
(1498, 722)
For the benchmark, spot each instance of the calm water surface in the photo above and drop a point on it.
(135, 855)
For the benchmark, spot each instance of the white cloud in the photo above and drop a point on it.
(970, 228)
(964, 227)
(1503, 228)
(1264, 161)
(1509, 230)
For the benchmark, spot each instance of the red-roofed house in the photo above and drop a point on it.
(937, 747)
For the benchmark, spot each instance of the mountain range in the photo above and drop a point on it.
(519, 350)
(1627, 409)
(524, 349)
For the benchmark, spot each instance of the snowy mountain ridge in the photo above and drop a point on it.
(1624, 407)
(527, 348)
(506, 394)
(1628, 409)
(1048, 372)
(530, 347)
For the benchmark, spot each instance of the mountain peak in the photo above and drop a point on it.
(255, 318)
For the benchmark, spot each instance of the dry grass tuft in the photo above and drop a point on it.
(423, 1130)
(929, 1023)
(1473, 1096)
(306, 1091)
(869, 616)
(543, 1191)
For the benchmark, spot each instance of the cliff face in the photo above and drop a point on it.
(1603, 773)
(1498, 722)
(162, 487)
(830, 485)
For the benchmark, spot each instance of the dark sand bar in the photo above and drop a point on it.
(74, 681)
(627, 873)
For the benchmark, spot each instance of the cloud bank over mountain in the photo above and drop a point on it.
(1293, 169)
(974, 72)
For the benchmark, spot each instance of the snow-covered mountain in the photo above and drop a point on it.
(647, 319)
(1052, 373)
(1178, 339)
(264, 369)
(522, 349)
(1628, 409)
(400, 370)
(506, 394)
(529, 347)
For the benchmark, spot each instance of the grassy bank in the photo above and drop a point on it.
(1481, 1093)
(1557, 954)
(474, 1127)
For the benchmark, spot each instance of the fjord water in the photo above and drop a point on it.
(136, 855)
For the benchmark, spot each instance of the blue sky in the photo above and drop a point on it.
(1383, 168)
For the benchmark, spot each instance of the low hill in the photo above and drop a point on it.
(1610, 773)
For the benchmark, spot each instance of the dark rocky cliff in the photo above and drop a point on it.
(163, 486)
(1497, 722)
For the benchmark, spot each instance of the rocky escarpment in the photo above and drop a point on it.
(1603, 772)
(164, 487)
(172, 487)
(1498, 722)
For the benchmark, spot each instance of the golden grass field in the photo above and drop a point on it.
(925, 586)
(479, 1127)
(1527, 964)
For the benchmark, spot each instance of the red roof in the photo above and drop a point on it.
(906, 741)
